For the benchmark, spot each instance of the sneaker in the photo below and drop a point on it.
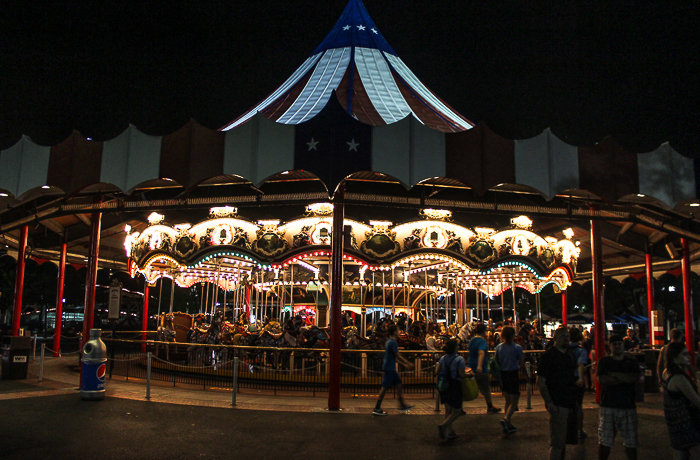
(406, 408)
(582, 434)
(493, 410)
(504, 425)
(379, 412)
(452, 436)
(512, 429)
(441, 432)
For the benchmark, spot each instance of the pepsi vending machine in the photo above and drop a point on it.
(94, 357)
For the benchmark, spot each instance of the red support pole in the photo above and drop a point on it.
(564, 310)
(19, 280)
(336, 299)
(91, 277)
(59, 300)
(650, 295)
(247, 303)
(144, 319)
(688, 303)
(598, 293)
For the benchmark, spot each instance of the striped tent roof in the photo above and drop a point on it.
(371, 82)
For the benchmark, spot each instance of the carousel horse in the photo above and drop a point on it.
(166, 333)
(351, 338)
(410, 341)
(197, 335)
(315, 337)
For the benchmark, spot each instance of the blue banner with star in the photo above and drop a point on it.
(333, 145)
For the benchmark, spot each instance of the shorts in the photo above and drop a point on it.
(613, 420)
(558, 424)
(483, 381)
(510, 382)
(390, 379)
(452, 396)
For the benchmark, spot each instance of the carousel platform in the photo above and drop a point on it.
(61, 376)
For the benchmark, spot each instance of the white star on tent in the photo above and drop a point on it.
(312, 144)
(346, 28)
(352, 145)
(361, 27)
(374, 30)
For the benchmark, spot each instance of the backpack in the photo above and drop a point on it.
(444, 379)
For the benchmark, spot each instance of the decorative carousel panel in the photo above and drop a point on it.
(380, 242)
(432, 234)
(270, 241)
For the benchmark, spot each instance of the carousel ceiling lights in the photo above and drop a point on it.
(522, 222)
(320, 209)
(223, 211)
(437, 214)
(154, 218)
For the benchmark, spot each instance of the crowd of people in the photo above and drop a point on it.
(561, 379)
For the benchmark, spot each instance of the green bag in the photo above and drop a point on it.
(470, 390)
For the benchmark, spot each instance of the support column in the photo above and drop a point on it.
(247, 303)
(650, 295)
(336, 299)
(598, 295)
(59, 300)
(91, 277)
(564, 309)
(688, 303)
(19, 280)
(172, 294)
(144, 319)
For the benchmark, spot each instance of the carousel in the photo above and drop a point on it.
(423, 269)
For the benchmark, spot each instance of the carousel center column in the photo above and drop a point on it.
(91, 277)
(336, 299)
(688, 302)
(59, 300)
(19, 281)
(598, 296)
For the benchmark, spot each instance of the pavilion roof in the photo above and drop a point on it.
(369, 79)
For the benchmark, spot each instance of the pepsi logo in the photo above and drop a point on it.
(101, 371)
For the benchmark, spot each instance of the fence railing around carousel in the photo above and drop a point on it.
(277, 369)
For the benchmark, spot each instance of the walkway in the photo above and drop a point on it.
(48, 420)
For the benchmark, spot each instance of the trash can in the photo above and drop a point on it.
(15, 357)
(651, 379)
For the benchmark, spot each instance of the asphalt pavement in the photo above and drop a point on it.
(47, 420)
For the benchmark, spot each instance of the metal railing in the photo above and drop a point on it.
(277, 369)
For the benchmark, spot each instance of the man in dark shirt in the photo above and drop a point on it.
(391, 376)
(557, 384)
(631, 341)
(618, 412)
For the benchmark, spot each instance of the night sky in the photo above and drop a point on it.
(587, 69)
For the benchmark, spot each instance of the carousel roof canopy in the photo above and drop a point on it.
(352, 112)
(370, 81)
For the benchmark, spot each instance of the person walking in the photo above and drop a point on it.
(681, 402)
(451, 370)
(557, 385)
(676, 336)
(581, 358)
(617, 375)
(478, 362)
(391, 375)
(510, 358)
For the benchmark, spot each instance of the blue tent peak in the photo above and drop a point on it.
(355, 28)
